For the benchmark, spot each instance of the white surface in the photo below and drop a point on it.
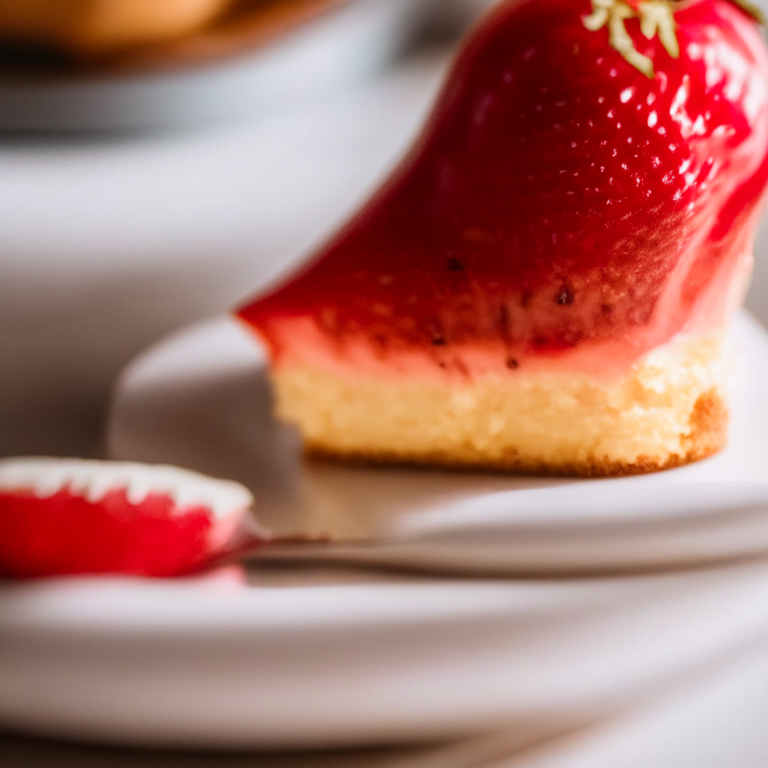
(294, 665)
(107, 245)
(331, 53)
(201, 399)
(718, 722)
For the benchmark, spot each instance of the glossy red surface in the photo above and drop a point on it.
(558, 199)
(68, 535)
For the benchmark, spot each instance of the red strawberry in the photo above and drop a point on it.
(586, 189)
(65, 517)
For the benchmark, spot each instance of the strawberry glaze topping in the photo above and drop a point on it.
(564, 206)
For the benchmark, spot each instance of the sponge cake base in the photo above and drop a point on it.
(670, 410)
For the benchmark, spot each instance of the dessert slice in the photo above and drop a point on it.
(61, 517)
(546, 281)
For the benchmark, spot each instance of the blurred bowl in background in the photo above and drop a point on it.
(254, 62)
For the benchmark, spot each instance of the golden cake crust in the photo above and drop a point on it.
(709, 435)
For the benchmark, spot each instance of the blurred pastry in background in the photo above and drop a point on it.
(99, 27)
(126, 31)
(104, 65)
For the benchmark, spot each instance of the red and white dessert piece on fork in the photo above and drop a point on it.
(71, 516)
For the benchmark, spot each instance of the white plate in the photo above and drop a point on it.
(317, 658)
(190, 665)
(201, 399)
(336, 51)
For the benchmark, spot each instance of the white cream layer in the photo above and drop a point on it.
(92, 480)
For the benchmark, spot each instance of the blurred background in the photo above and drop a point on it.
(159, 162)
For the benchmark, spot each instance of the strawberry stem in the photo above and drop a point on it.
(656, 19)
